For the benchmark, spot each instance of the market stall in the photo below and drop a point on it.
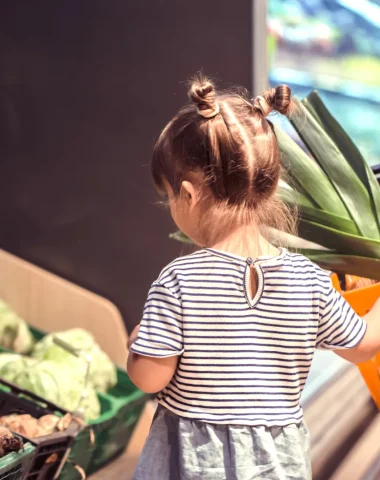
(95, 397)
(82, 238)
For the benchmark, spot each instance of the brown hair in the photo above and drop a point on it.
(227, 138)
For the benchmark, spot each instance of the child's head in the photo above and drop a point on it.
(219, 163)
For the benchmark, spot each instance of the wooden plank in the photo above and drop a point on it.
(326, 400)
(334, 417)
(363, 454)
(51, 303)
(348, 420)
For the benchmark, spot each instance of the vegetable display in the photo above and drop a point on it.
(14, 331)
(66, 368)
(62, 385)
(31, 427)
(8, 442)
(102, 370)
(11, 364)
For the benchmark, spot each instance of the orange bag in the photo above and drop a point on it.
(362, 300)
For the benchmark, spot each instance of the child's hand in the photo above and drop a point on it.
(133, 336)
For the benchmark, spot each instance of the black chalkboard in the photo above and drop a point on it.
(85, 88)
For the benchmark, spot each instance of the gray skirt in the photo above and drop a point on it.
(179, 448)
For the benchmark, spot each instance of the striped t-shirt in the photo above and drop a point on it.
(242, 360)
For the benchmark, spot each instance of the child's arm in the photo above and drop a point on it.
(340, 329)
(157, 343)
(370, 344)
(151, 374)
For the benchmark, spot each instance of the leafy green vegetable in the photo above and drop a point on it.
(11, 364)
(339, 171)
(102, 370)
(181, 237)
(14, 331)
(347, 147)
(354, 242)
(61, 384)
(315, 214)
(345, 264)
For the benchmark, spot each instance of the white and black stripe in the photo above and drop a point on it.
(242, 361)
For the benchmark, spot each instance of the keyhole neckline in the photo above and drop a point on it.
(252, 302)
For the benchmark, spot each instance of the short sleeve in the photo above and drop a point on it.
(339, 326)
(160, 333)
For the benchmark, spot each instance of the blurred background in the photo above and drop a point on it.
(332, 46)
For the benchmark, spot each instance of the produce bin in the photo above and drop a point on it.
(15, 465)
(362, 300)
(70, 472)
(107, 436)
(125, 404)
(50, 451)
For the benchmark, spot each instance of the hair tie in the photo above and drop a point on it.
(208, 112)
(260, 104)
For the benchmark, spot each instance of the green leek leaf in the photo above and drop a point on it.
(310, 108)
(289, 195)
(181, 237)
(309, 212)
(348, 185)
(349, 150)
(309, 178)
(329, 219)
(343, 243)
(345, 264)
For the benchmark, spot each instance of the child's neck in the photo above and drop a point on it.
(245, 243)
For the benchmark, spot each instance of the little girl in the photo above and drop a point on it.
(228, 333)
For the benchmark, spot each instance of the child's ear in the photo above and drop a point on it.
(189, 192)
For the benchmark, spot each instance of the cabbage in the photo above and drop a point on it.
(102, 370)
(60, 384)
(11, 364)
(14, 332)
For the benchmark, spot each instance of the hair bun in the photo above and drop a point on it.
(202, 93)
(279, 99)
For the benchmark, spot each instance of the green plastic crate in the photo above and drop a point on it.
(87, 441)
(56, 445)
(107, 436)
(70, 473)
(127, 404)
(14, 465)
